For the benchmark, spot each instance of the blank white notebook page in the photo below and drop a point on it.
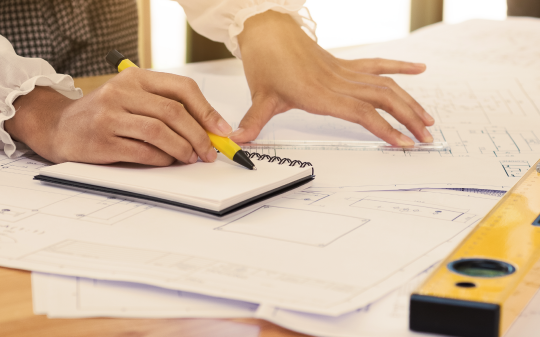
(213, 186)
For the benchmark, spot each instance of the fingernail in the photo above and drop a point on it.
(236, 133)
(193, 158)
(224, 127)
(405, 141)
(428, 138)
(420, 65)
(428, 117)
(211, 155)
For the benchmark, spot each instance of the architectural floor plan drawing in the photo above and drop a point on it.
(80, 297)
(474, 102)
(315, 232)
(496, 141)
(21, 198)
(372, 170)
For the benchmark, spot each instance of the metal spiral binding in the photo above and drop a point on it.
(278, 160)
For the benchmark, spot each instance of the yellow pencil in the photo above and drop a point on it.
(223, 144)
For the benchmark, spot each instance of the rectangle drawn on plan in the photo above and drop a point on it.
(388, 205)
(515, 168)
(294, 225)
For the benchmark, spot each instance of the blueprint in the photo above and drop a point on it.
(63, 297)
(386, 317)
(294, 252)
(372, 170)
(75, 297)
(82, 297)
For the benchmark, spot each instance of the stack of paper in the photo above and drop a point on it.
(338, 259)
(62, 296)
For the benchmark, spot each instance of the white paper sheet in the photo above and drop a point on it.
(386, 317)
(293, 253)
(76, 297)
(357, 171)
(479, 47)
(40, 291)
(73, 297)
(79, 297)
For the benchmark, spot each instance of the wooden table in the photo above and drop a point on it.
(18, 320)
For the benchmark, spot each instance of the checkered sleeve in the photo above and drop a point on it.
(19, 76)
(223, 20)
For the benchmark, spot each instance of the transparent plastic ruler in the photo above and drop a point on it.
(343, 145)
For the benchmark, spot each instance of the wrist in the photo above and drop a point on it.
(267, 28)
(35, 113)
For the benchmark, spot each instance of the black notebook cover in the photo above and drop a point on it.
(243, 204)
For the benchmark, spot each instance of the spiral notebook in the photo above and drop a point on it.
(218, 188)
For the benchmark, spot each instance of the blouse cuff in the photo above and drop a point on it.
(62, 83)
(297, 11)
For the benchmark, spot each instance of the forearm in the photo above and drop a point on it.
(223, 20)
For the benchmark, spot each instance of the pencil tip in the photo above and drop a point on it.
(254, 168)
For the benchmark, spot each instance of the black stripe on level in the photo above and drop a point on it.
(536, 222)
(454, 317)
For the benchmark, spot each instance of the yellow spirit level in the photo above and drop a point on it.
(481, 288)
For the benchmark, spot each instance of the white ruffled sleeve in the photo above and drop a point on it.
(19, 76)
(223, 20)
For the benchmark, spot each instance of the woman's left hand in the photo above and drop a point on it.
(286, 69)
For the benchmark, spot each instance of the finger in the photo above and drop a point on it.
(385, 98)
(175, 116)
(390, 83)
(261, 111)
(186, 91)
(359, 112)
(384, 66)
(155, 132)
(135, 151)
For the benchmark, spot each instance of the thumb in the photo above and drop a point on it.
(261, 111)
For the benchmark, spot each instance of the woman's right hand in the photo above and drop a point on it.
(139, 116)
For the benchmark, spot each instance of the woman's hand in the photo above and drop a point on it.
(138, 116)
(285, 69)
